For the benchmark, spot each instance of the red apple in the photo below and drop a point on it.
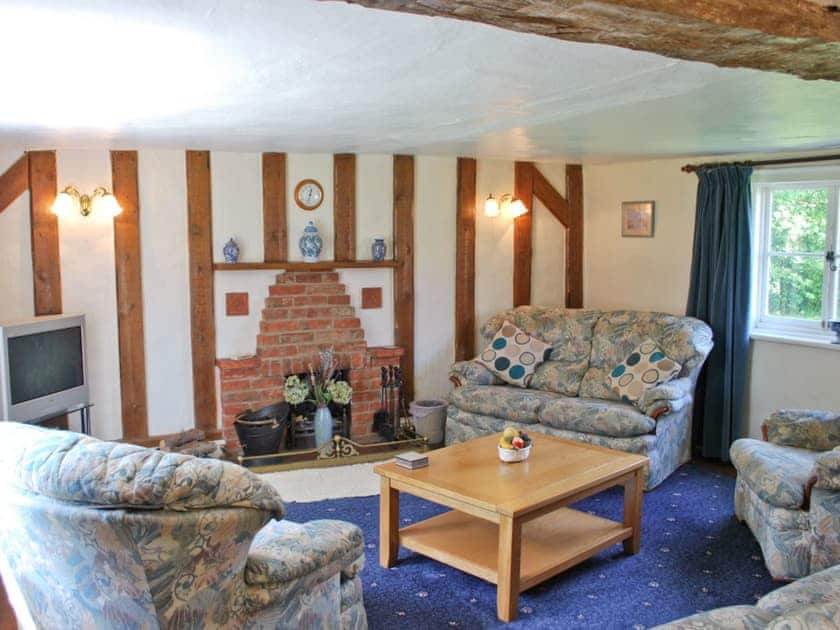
(518, 442)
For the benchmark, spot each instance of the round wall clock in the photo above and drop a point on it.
(308, 194)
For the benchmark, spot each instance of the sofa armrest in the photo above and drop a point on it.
(827, 470)
(472, 373)
(283, 551)
(803, 428)
(666, 398)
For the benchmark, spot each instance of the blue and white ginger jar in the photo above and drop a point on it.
(378, 249)
(310, 243)
(231, 251)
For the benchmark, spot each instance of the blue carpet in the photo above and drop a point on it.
(695, 556)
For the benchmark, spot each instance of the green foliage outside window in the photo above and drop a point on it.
(798, 225)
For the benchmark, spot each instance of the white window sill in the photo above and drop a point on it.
(795, 340)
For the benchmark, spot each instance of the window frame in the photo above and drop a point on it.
(765, 182)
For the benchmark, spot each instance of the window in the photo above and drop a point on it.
(797, 283)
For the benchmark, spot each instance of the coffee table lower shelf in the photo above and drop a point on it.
(550, 544)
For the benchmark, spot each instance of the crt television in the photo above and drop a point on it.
(42, 366)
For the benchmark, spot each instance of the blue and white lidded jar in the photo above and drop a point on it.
(378, 249)
(231, 251)
(310, 243)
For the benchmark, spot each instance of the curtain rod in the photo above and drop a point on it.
(690, 168)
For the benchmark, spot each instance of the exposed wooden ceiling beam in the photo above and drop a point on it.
(799, 37)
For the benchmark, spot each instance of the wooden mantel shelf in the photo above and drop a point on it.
(303, 266)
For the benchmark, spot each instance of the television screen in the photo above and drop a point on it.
(44, 363)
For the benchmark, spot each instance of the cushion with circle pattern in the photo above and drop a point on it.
(513, 355)
(646, 367)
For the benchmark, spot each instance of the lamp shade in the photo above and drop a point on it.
(63, 205)
(517, 208)
(491, 207)
(108, 205)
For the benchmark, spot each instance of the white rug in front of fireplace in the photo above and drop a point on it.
(316, 484)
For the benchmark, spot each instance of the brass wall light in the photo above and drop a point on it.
(100, 200)
(509, 205)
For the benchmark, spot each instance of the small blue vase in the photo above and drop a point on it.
(378, 249)
(310, 243)
(231, 251)
(323, 426)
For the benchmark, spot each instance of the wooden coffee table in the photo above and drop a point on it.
(509, 524)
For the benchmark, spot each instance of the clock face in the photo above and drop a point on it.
(309, 194)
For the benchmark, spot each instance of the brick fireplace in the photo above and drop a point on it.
(305, 311)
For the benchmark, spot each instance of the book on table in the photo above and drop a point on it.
(412, 459)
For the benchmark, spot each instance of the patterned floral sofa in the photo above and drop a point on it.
(104, 535)
(809, 604)
(569, 395)
(788, 491)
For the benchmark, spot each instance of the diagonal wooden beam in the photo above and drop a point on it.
(553, 200)
(799, 37)
(14, 182)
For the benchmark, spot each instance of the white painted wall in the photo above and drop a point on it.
(236, 189)
(548, 264)
(166, 290)
(88, 285)
(435, 186)
(653, 274)
(88, 278)
(317, 166)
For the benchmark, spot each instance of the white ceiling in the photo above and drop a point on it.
(300, 75)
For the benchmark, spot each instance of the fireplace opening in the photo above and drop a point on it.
(302, 416)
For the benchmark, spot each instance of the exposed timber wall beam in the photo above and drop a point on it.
(404, 273)
(46, 261)
(799, 37)
(344, 206)
(129, 280)
(202, 322)
(574, 236)
(14, 181)
(523, 189)
(275, 232)
(465, 261)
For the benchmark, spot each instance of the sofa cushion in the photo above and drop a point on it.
(72, 467)
(777, 474)
(643, 369)
(684, 339)
(568, 331)
(502, 401)
(513, 355)
(588, 415)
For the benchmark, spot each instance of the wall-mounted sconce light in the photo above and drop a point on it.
(70, 199)
(509, 205)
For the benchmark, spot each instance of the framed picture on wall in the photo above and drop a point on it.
(637, 218)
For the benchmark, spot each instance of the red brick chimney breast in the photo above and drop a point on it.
(305, 312)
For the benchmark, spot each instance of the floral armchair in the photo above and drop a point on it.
(105, 535)
(788, 491)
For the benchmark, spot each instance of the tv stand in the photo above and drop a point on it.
(82, 408)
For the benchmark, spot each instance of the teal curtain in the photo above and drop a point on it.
(720, 295)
